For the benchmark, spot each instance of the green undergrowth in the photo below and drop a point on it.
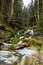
(1, 42)
(6, 32)
(29, 61)
(15, 40)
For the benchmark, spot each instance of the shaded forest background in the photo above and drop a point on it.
(14, 17)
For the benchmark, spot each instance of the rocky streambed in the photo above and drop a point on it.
(3, 63)
(8, 57)
(19, 56)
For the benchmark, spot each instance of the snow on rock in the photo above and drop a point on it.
(26, 51)
(9, 60)
(4, 54)
(20, 42)
(6, 44)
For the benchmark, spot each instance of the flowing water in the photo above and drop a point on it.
(9, 60)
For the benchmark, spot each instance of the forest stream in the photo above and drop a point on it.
(12, 57)
(8, 57)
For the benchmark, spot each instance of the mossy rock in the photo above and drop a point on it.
(33, 42)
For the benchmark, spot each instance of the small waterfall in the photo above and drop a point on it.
(23, 60)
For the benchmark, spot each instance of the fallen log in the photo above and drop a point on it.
(20, 46)
(16, 46)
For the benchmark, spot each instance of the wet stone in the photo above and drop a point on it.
(3, 63)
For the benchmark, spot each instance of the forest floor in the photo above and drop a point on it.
(40, 38)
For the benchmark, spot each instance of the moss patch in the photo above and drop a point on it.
(33, 42)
